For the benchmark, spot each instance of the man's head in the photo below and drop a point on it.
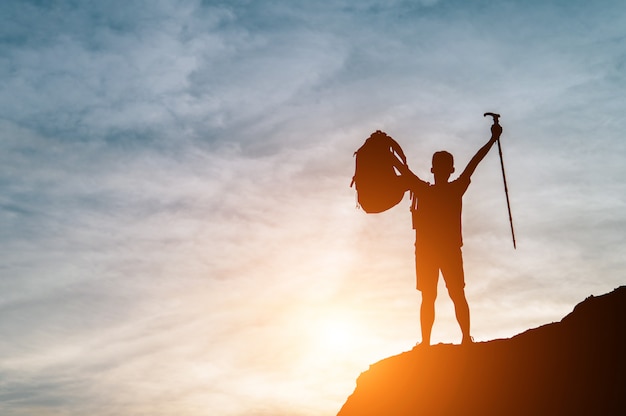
(443, 165)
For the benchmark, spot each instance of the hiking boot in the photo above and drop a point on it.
(420, 346)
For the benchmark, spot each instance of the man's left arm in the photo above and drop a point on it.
(496, 131)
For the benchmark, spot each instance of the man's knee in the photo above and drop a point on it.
(429, 296)
(457, 294)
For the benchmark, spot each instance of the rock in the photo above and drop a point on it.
(575, 366)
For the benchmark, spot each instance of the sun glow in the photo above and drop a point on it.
(336, 334)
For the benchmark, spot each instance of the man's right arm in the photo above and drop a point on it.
(414, 182)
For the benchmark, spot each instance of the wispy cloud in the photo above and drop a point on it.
(177, 226)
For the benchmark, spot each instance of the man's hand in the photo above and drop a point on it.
(496, 131)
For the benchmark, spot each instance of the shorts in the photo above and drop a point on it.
(428, 262)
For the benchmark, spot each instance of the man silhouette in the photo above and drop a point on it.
(438, 236)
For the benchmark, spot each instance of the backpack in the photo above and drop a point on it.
(378, 186)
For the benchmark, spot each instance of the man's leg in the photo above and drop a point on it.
(455, 282)
(461, 310)
(427, 274)
(427, 314)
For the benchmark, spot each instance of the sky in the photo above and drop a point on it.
(177, 231)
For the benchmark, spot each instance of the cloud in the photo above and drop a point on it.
(174, 199)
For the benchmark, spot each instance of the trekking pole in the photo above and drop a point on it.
(506, 189)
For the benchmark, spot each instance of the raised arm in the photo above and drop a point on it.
(413, 182)
(496, 131)
(396, 148)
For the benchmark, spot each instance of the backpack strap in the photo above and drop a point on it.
(352, 183)
(414, 210)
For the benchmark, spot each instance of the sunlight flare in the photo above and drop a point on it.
(337, 336)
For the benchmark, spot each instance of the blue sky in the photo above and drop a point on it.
(177, 232)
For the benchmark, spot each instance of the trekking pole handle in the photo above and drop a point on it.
(494, 115)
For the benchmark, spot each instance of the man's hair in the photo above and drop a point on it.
(443, 159)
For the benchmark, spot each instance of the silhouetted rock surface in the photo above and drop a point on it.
(573, 367)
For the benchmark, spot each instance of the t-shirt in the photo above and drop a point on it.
(438, 216)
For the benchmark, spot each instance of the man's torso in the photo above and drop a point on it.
(438, 216)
